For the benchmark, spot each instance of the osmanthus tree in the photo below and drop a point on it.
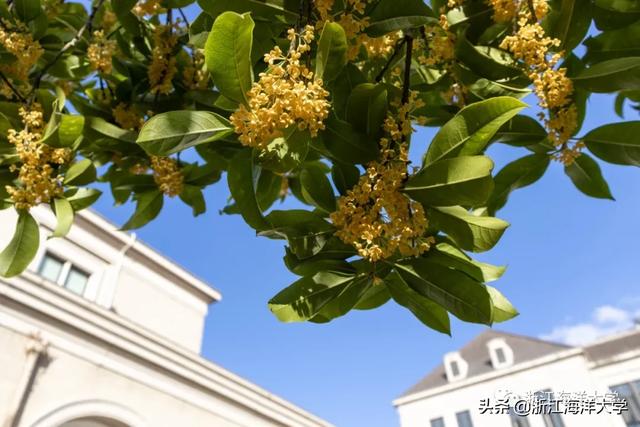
(317, 100)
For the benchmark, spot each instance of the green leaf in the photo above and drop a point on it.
(447, 254)
(269, 10)
(174, 131)
(19, 253)
(344, 176)
(464, 180)
(616, 143)
(27, 9)
(306, 232)
(587, 177)
(63, 130)
(345, 301)
(104, 128)
(64, 215)
(346, 144)
(392, 15)
(501, 308)
(611, 76)
(332, 52)
(315, 264)
(228, 55)
(307, 296)
(350, 77)
(470, 232)
(427, 311)
(316, 189)
(569, 21)
(376, 296)
(192, 196)
(148, 206)
(517, 174)
(242, 178)
(287, 152)
(80, 173)
(367, 108)
(470, 131)
(614, 44)
(462, 296)
(82, 198)
(521, 131)
(625, 6)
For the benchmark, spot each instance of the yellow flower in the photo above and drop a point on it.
(38, 180)
(148, 7)
(286, 94)
(375, 217)
(167, 175)
(17, 40)
(127, 117)
(194, 75)
(163, 61)
(553, 88)
(100, 52)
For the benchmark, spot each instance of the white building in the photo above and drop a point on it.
(102, 331)
(496, 362)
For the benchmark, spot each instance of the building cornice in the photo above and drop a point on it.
(531, 364)
(108, 329)
(89, 219)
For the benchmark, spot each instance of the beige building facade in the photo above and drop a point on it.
(102, 331)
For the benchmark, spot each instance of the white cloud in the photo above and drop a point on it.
(605, 320)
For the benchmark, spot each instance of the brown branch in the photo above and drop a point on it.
(396, 50)
(68, 46)
(407, 68)
(12, 87)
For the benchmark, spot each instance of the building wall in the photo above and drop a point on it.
(122, 283)
(80, 370)
(568, 375)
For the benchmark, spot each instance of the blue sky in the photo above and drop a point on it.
(567, 255)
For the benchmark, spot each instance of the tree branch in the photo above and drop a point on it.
(396, 50)
(406, 84)
(12, 87)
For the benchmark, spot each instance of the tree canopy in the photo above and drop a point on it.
(317, 100)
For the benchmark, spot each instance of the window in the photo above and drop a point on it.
(437, 422)
(500, 353)
(550, 419)
(518, 420)
(502, 359)
(63, 273)
(464, 419)
(631, 393)
(455, 370)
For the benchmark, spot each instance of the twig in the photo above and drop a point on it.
(13, 89)
(70, 44)
(184, 17)
(393, 56)
(407, 68)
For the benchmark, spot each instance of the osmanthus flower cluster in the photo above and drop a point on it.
(298, 100)
(554, 89)
(287, 94)
(375, 216)
(38, 177)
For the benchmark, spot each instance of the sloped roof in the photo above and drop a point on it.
(476, 354)
(605, 350)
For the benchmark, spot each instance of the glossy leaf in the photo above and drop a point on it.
(64, 216)
(463, 297)
(470, 131)
(346, 144)
(470, 232)
(611, 75)
(617, 143)
(80, 173)
(148, 206)
(517, 174)
(242, 177)
(428, 312)
(501, 309)
(332, 52)
(393, 15)
(464, 180)
(174, 131)
(19, 253)
(316, 189)
(367, 108)
(587, 177)
(228, 55)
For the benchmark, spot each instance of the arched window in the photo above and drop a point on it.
(91, 413)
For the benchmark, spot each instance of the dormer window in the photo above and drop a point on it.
(455, 367)
(500, 353)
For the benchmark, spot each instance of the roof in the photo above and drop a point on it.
(611, 347)
(477, 357)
